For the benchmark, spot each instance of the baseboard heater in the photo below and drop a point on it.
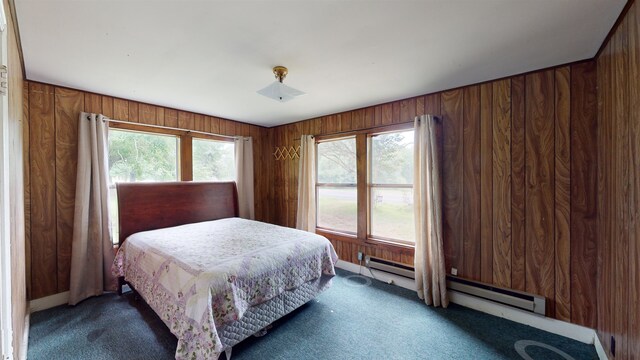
(518, 299)
(388, 266)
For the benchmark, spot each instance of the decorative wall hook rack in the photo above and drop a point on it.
(284, 153)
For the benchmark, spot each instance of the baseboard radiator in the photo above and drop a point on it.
(518, 299)
(388, 266)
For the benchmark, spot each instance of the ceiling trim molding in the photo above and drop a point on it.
(614, 28)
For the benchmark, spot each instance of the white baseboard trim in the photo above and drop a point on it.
(559, 327)
(563, 328)
(49, 302)
(24, 347)
(602, 355)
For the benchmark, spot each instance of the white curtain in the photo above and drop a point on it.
(306, 216)
(92, 250)
(244, 176)
(429, 254)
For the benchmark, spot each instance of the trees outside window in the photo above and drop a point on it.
(213, 160)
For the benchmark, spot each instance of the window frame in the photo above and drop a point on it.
(363, 168)
(371, 186)
(336, 185)
(185, 149)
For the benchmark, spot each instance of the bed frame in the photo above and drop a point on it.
(150, 206)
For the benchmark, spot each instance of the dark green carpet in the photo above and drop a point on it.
(348, 321)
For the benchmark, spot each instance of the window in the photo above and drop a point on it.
(136, 156)
(391, 186)
(213, 160)
(336, 187)
(365, 185)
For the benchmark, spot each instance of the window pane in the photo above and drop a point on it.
(392, 214)
(337, 161)
(338, 208)
(213, 160)
(392, 158)
(139, 157)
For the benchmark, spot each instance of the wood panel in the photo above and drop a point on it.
(68, 105)
(471, 184)
(27, 185)
(107, 107)
(134, 112)
(121, 109)
(540, 180)
(486, 183)
(562, 178)
(44, 267)
(620, 186)
(584, 176)
(92, 103)
(147, 114)
(518, 242)
(605, 275)
(452, 172)
(634, 180)
(502, 183)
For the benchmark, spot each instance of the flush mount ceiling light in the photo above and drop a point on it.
(279, 91)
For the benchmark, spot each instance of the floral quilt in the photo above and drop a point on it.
(201, 276)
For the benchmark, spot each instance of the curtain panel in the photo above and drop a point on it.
(429, 254)
(244, 176)
(306, 215)
(91, 250)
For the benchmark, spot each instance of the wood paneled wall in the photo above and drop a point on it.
(619, 189)
(520, 166)
(16, 187)
(51, 159)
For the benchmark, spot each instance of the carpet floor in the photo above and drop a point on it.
(357, 318)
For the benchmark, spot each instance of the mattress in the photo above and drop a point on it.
(203, 279)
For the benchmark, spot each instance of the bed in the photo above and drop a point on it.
(213, 278)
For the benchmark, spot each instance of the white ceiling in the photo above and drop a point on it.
(212, 56)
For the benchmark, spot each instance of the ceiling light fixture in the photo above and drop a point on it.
(279, 91)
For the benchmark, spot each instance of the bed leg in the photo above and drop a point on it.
(227, 353)
(120, 284)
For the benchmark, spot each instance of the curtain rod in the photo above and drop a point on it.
(168, 128)
(437, 119)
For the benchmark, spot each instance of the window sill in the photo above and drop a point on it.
(337, 235)
(352, 238)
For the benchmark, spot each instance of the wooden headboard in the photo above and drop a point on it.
(149, 206)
